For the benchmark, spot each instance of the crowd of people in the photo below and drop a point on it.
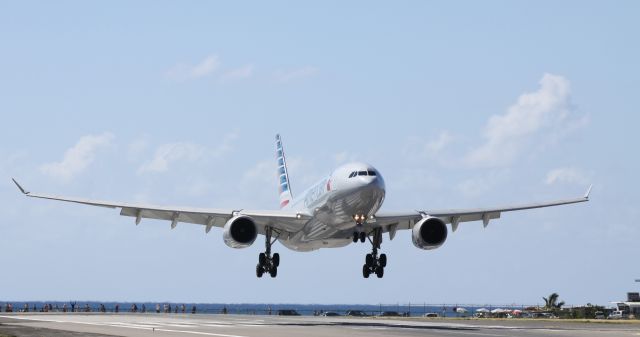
(74, 307)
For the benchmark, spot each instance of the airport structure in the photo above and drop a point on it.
(630, 307)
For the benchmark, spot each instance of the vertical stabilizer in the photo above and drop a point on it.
(283, 175)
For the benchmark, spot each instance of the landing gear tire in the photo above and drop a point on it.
(365, 271)
(363, 237)
(355, 237)
(383, 260)
(379, 271)
(266, 262)
(368, 261)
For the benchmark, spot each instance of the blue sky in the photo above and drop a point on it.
(458, 104)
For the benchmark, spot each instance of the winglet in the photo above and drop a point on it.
(20, 187)
(586, 195)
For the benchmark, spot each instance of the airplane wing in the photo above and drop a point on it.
(394, 221)
(281, 220)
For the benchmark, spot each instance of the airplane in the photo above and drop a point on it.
(340, 209)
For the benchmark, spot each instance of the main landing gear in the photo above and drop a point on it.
(266, 262)
(373, 262)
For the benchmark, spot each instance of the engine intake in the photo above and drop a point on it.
(429, 233)
(240, 232)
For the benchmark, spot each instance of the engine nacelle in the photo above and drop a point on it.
(240, 232)
(429, 233)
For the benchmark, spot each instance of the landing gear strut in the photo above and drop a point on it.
(373, 262)
(266, 262)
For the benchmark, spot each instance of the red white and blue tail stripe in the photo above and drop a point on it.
(283, 175)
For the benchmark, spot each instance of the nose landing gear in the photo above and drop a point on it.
(362, 236)
(266, 262)
(375, 264)
(359, 234)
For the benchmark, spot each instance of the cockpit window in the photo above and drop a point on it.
(363, 173)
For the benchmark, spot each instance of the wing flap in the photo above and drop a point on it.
(185, 217)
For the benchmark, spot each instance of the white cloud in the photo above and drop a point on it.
(302, 173)
(472, 188)
(437, 145)
(182, 72)
(136, 148)
(264, 172)
(295, 74)
(567, 175)
(167, 154)
(226, 145)
(77, 158)
(9, 164)
(542, 111)
(481, 185)
(436, 149)
(341, 157)
(239, 73)
(172, 152)
(344, 157)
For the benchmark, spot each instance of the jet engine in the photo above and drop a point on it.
(240, 232)
(429, 233)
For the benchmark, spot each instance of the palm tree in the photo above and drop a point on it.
(552, 302)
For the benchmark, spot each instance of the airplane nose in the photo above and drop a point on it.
(376, 182)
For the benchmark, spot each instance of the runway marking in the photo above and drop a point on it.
(467, 333)
(199, 333)
(217, 325)
(126, 326)
(137, 325)
(202, 327)
(251, 325)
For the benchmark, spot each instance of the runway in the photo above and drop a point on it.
(167, 325)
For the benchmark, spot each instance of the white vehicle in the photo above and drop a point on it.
(618, 314)
(340, 209)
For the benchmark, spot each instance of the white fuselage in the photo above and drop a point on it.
(333, 202)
